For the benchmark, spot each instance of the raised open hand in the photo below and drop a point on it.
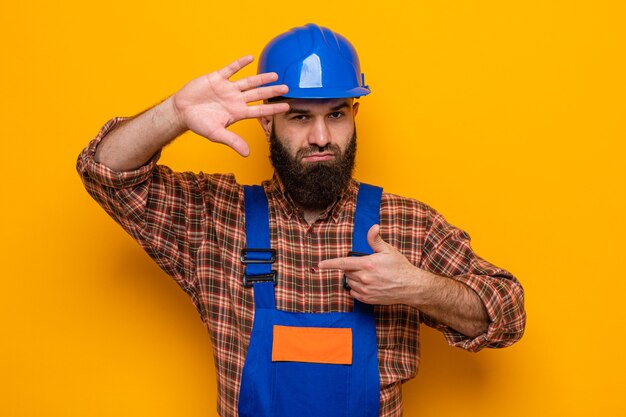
(209, 104)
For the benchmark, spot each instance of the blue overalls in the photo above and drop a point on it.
(307, 364)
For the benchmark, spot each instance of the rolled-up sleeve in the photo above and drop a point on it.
(164, 211)
(447, 252)
(91, 170)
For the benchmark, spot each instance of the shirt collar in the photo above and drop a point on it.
(288, 208)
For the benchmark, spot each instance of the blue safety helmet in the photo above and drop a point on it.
(314, 62)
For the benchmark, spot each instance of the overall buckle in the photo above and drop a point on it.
(250, 279)
(246, 260)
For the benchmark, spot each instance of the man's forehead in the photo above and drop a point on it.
(317, 104)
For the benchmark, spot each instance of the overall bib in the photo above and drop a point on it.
(307, 364)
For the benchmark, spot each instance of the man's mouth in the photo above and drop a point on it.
(319, 157)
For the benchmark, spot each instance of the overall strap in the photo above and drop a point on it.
(366, 215)
(257, 255)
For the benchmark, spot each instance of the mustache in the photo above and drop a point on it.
(315, 149)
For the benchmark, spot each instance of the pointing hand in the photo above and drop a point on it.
(382, 278)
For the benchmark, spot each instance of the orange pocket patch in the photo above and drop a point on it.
(312, 344)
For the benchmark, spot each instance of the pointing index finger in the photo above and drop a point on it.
(347, 264)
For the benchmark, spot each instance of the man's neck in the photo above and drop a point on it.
(310, 216)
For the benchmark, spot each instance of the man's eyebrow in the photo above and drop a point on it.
(340, 106)
(293, 110)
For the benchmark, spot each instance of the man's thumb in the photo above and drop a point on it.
(375, 241)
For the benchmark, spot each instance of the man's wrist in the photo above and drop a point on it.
(169, 113)
(417, 289)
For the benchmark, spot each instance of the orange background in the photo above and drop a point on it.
(507, 117)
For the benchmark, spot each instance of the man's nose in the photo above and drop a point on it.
(319, 134)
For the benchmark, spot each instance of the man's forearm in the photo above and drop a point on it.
(135, 141)
(387, 277)
(450, 302)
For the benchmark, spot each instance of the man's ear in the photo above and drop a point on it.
(355, 108)
(266, 124)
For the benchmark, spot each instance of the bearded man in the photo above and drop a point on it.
(312, 286)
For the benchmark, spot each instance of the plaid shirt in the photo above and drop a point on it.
(192, 225)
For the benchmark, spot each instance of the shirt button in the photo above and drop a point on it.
(314, 269)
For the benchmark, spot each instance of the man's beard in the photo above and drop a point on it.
(313, 185)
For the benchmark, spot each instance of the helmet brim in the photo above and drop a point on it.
(325, 92)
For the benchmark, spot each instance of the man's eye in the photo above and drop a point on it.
(336, 115)
(299, 117)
